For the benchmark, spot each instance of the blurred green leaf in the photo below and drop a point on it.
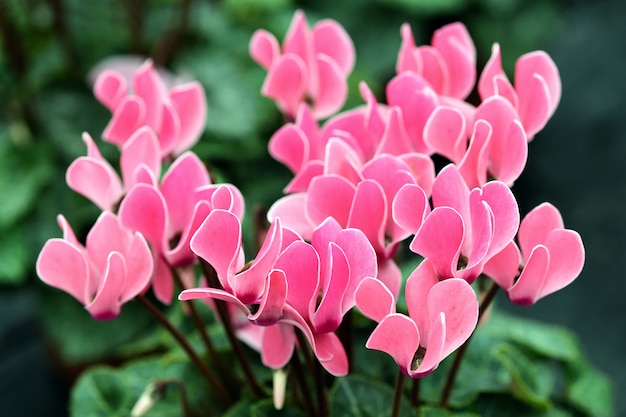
(78, 338)
(543, 339)
(104, 391)
(356, 396)
(590, 391)
(427, 411)
(23, 172)
(14, 256)
(532, 379)
(266, 408)
(427, 6)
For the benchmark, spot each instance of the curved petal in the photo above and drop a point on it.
(329, 345)
(128, 116)
(273, 299)
(330, 39)
(286, 83)
(218, 241)
(142, 148)
(144, 210)
(328, 314)
(169, 130)
(398, 336)
(506, 215)
(504, 266)
(440, 239)
(444, 133)
(332, 88)
(110, 87)
(181, 254)
(277, 345)
(107, 235)
(319, 206)
(395, 140)
(140, 267)
(264, 48)
(178, 187)
(248, 285)
(96, 180)
(106, 303)
(148, 85)
(527, 289)
(189, 100)
(291, 211)
(449, 189)
(374, 299)
(537, 225)
(567, 257)
(456, 299)
(300, 263)
(369, 212)
(459, 54)
(406, 59)
(410, 207)
(428, 357)
(290, 146)
(62, 265)
(418, 286)
(163, 281)
(473, 167)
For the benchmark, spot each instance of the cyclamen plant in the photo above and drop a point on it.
(364, 183)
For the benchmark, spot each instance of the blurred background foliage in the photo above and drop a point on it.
(50, 47)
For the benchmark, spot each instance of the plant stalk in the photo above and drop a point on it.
(224, 314)
(397, 395)
(206, 371)
(484, 304)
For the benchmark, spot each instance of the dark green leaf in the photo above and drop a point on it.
(544, 339)
(102, 392)
(360, 397)
(266, 408)
(442, 412)
(532, 378)
(14, 256)
(427, 6)
(79, 338)
(590, 391)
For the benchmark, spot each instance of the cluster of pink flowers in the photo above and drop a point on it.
(364, 181)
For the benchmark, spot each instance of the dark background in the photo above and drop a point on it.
(577, 162)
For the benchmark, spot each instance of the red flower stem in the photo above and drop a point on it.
(302, 385)
(397, 395)
(222, 311)
(197, 320)
(222, 393)
(415, 392)
(484, 304)
(322, 398)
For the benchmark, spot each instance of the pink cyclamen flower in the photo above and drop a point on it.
(551, 257)
(537, 88)
(169, 213)
(449, 65)
(358, 195)
(442, 316)
(93, 177)
(312, 65)
(112, 268)
(466, 228)
(290, 283)
(497, 147)
(177, 115)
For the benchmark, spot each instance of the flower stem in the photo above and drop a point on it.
(301, 381)
(484, 304)
(206, 371)
(197, 320)
(397, 395)
(224, 314)
(415, 392)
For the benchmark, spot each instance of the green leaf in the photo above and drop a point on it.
(77, 337)
(356, 396)
(427, 6)
(532, 378)
(104, 391)
(101, 391)
(543, 339)
(24, 170)
(14, 256)
(505, 406)
(590, 391)
(266, 408)
(428, 411)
